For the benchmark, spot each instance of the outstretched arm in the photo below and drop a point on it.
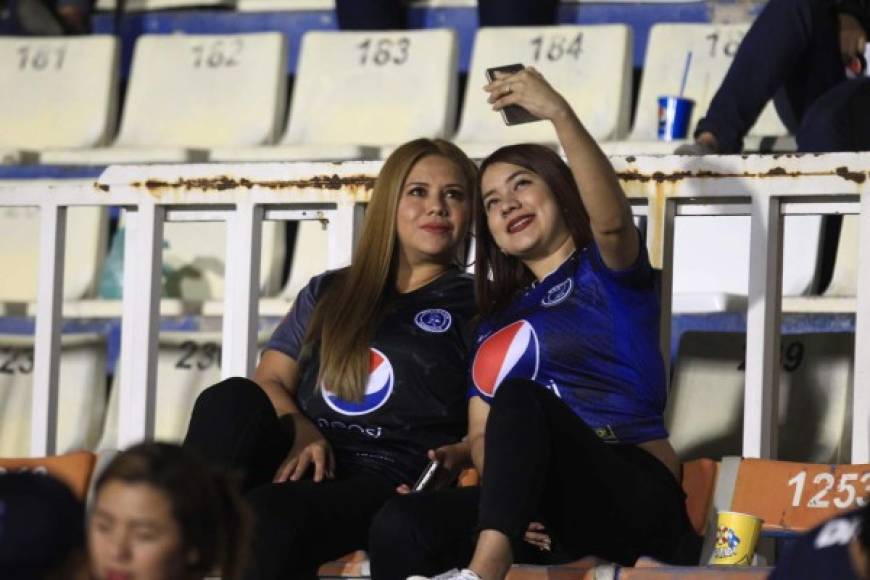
(608, 208)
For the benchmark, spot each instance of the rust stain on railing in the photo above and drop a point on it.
(332, 182)
(633, 175)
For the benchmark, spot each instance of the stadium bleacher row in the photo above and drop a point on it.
(227, 98)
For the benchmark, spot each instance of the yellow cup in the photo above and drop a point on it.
(736, 537)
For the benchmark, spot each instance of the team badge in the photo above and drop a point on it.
(513, 352)
(558, 293)
(378, 388)
(433, 320)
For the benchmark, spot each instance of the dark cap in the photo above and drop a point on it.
(42, 523)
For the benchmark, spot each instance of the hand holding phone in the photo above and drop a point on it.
(511, 114)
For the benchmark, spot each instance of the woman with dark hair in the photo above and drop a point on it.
(567, 383)
(160, 513)
(361, 379)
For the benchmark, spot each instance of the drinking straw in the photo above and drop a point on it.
(685, 73)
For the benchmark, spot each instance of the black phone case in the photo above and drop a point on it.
(512, 114)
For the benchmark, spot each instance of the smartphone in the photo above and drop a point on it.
(512, 114)
(427, 476)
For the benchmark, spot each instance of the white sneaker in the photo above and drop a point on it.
(464, 574)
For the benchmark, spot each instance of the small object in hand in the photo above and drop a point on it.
(426, 477)
(512, 114)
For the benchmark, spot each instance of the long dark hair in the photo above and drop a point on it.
(345, 318)
(498, 276)
(212, 516)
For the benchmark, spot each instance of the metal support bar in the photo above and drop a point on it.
(46, 356)
(143, 244)
(861, 390)
(760, 402)
(341, 234)
(242, 299)
(667, 282)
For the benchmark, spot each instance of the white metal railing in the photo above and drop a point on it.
(763, 187)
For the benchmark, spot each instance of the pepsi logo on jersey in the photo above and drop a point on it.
(510, 352)
(379, 388)
(435, 320)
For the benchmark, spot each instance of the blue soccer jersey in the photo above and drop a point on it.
(589, 334)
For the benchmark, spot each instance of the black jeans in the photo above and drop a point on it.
(792, 52)
(297, 525)
(393, 14)
(544, 464)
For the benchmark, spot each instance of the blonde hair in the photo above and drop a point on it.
(344, 320)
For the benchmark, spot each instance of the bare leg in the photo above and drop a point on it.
(493, 556)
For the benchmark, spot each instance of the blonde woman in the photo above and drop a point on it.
(363, 377)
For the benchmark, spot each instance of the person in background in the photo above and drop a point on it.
(838, 548)
(45, 17)
(42, 526)
(362, 378)
(160, 513)
(567, 388)
(393, 14)
(798, 51)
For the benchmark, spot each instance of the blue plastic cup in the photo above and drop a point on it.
(674, 116)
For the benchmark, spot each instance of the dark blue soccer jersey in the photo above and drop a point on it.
(590, 335)
(415, 396)
(822, 553)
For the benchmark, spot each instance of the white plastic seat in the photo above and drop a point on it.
(712, 47)
(87, 229)
(840, 294)
(194, 258)
(187, 364)
(310, 255)
(590, 65)
(81, 392)
(705, 403)
(711, 261)
(56, 92)
(193, 270)
(356, 92)
(283, 5)
(188, 93)
(142, 5)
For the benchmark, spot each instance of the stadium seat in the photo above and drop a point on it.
(81, 392)
(711, 261)
(87, 230)
(56, 92)
(74, 469)
(712, 48)
(356, 92)
(574, 59)
(193, 270)
(187, 364)
(840, 294)
(794, 497)
(309, 259)
(140, 5)
(189, 93)
(283, 5)
(705, 406)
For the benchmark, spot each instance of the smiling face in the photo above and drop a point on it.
(523, 216)
(132, 534)
(433, 212)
